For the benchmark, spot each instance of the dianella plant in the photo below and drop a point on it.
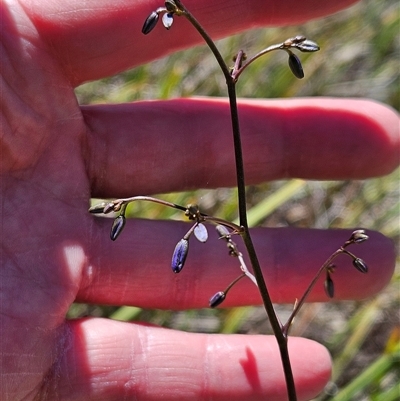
(228, 232)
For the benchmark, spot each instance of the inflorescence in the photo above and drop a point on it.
(226, 230)
(198, 229)
(300, 42)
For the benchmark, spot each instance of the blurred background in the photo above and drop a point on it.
(360, 57)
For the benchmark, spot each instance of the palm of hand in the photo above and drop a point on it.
(45, 194)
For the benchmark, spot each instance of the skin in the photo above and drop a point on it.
(55, 155)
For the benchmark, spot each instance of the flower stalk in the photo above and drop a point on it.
(174, 8)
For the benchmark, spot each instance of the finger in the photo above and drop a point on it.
(110, 360)
(136, 268)
(96, 39)
(162, 146)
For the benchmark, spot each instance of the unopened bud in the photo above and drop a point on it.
(170, 6)
(117, 227)
(99, 208)
(179, 255)
(358, 236)
(329, 286)
(217, 299)
(295, 66)
(201, 233)
(360, 265)
(222, 231)
(150, 23)
(307, 46)
(167, 20)
(109, 207)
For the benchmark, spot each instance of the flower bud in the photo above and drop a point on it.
(222, 231)
(217, 299)
(201, 233)
(117, 227)
(360, 265)
(170, 6)
(167, 20)
(329, 286)
(150, 23)
(179, 255)
(97, 209)
(108, 208)
(307, 46)
(358, 236)
(295, 66)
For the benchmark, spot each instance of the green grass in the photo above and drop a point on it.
(359, 58)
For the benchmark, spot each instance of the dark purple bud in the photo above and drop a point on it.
(109, 207)
(360, 265)
(117, 227)
(358, 236)
(295, 66)
(150, 23)
(217, 299)
(329, 287)
(99, 208)
(307, 46)
(170, 6)
(179, 256)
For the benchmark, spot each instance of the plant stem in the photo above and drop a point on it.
(327, 263)
(210, 43)
(237, 143)
(275, 323)
(231, 85)
(273, 318)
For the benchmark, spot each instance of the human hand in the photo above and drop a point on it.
(55, 155)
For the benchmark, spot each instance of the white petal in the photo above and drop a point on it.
(167, 20)
(201, 233)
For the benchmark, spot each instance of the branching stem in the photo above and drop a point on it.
(300, 303)
(232, 74)
(231, 84)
